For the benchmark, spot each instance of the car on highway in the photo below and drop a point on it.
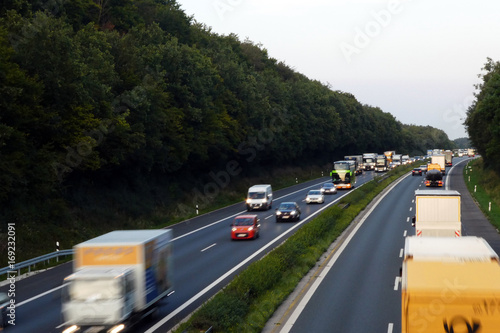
(288, 211)
(416, 171)
(328, 188)
(245, 227)
(315, 196)
(4, 303)
(423, 167)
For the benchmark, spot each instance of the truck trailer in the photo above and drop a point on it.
(439, 159)
(118, 278)
(450, 285)
(437, 213)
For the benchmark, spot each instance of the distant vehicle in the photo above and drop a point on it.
(245, 227)
(388, 155)
(416, 171)
(118, 279)
(397, 159)
(328, 188)
(423, 167)
(392, 166)
(471, 152)
(315, 196)
(381, 163)
(288, 211)
(259, 197)
(343, 174)
(4, 303)
(358, 163)
(369, 160)
(434, 178)
(448, 158)
(406, 159)
(458, 276)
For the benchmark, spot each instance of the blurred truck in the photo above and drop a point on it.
(358, 162)
(433, 177)
(439, 159)
(450, 285)
(437, 213)
(343, 174)
(118, 279)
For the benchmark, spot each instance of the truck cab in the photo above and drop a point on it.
(98, 297)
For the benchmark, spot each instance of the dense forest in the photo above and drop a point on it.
(105, 102)
(483, 116)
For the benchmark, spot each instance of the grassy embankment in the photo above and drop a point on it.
(247, 303)
(484, 186)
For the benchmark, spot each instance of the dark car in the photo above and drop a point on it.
(288, 211)
(328, 188)
(416, 171)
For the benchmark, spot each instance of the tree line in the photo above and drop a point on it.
(120, 93)
(483, 116)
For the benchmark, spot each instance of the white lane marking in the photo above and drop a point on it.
(396, 282)
(401, 253)
(38, 296)
(243, 211)
(411, 208)
(390, 328)
(405, 233)
(413, 200)
(307, 297)
(235, 268)
(408, 219)
(208, 247)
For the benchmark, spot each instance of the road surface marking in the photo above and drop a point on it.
(235, 268)
(208, 247)
(265, 218)
(401, 253)
(307, 297)
(411, 208)
(390, 327)
(37, 296)
(408, 219)
(405, 233)
(396, 282)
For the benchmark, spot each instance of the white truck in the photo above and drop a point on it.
(397, 159)
(439, 159)
(118, 279)
(369, 160)
(449, 285)
(437, 213)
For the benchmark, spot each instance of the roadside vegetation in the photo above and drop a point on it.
(120, 112)
(247, 303)
(484, 186)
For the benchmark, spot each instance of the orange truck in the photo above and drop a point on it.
(118, 278)
(450, 285)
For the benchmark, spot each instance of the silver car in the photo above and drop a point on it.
(328, 188)
(315, 196)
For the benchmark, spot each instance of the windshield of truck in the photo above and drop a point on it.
(341, 166)
(369, 160)
(256, 195)
(381, 161)
(95, 290)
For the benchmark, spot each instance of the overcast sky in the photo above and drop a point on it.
(416, 59)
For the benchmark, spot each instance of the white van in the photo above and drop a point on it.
(259, 197)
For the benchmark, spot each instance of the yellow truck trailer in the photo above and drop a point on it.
(450, 285)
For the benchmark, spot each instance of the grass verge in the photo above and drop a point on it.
(484, 186)
(247, 302)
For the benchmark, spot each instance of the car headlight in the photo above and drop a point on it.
(278, 213)
(322, 190)
(248, 201)
(234, 229)
(250, 229)
(293, 212)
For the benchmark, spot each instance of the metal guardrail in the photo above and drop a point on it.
(31, 262)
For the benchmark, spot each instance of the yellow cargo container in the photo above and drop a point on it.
(450, 285)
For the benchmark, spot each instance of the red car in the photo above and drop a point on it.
(245, 227)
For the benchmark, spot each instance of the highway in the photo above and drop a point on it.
(358, 287)
(205, 259)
